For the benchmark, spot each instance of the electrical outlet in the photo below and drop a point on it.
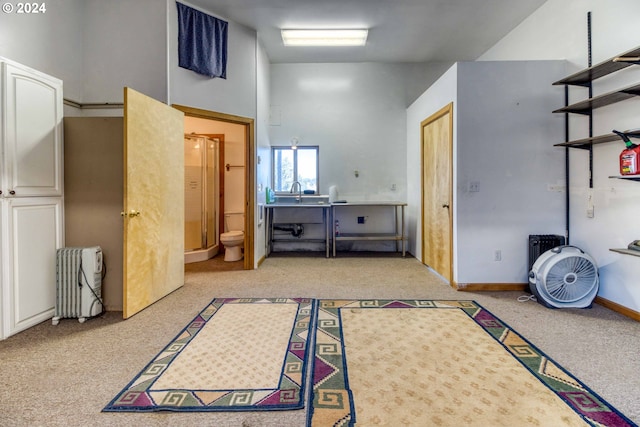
(474, 187)
(361, 219)
(497, 255)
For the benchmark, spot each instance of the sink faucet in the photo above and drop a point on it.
(299, 197)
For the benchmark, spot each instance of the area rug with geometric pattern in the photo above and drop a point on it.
(235, 355)
(439, 363)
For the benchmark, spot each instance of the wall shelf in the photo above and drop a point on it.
(585, 143)
(588, 105)
(627, 177)
(626, 251)
(585, 77)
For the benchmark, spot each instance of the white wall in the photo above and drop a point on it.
(263, 152)
(355, 113)
(559, 30)
(242, 93)
(98, 47)
(505, 143)
(418, 77)
(440, 94)
(51, 42)
(501, 141)
(125, 44)
(234, 95)
(95, 47)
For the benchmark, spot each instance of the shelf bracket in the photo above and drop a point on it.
(629, 59)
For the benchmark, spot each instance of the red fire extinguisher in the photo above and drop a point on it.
(630, 156)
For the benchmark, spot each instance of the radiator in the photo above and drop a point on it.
(539, 244)
(78, 283)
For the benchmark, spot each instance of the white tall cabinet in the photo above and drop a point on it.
(31, 195)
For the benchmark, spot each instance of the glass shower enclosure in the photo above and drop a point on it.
(201, 197)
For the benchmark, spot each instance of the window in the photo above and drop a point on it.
(290, 165)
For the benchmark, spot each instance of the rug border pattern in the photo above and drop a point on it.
(290, 394)
(326, 368)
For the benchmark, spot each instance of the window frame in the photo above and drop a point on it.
(295, 164)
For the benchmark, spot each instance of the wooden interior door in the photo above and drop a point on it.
(153, 258)
(437, 192)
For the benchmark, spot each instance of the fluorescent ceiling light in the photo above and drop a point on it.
(324, 37)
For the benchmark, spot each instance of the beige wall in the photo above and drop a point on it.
(93, 187)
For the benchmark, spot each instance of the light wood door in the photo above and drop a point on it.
(437, 192)
(153, 213)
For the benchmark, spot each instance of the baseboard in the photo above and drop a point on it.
(480, 287)
(261, 260)
(614, 306)
(484, 287)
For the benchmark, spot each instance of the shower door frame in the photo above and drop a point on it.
(204, 190)
(220, 177)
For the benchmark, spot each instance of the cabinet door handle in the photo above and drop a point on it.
(446, 205)
(12, 192)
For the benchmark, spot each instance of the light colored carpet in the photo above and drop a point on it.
(64, 375)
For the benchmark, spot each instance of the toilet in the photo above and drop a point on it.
(233, 237)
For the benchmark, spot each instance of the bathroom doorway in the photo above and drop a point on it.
(203, 180)
(236, 188)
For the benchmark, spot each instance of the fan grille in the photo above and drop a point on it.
(571, 279)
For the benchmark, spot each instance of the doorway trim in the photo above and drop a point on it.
(249, 172)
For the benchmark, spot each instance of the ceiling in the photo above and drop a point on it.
(399, 30)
